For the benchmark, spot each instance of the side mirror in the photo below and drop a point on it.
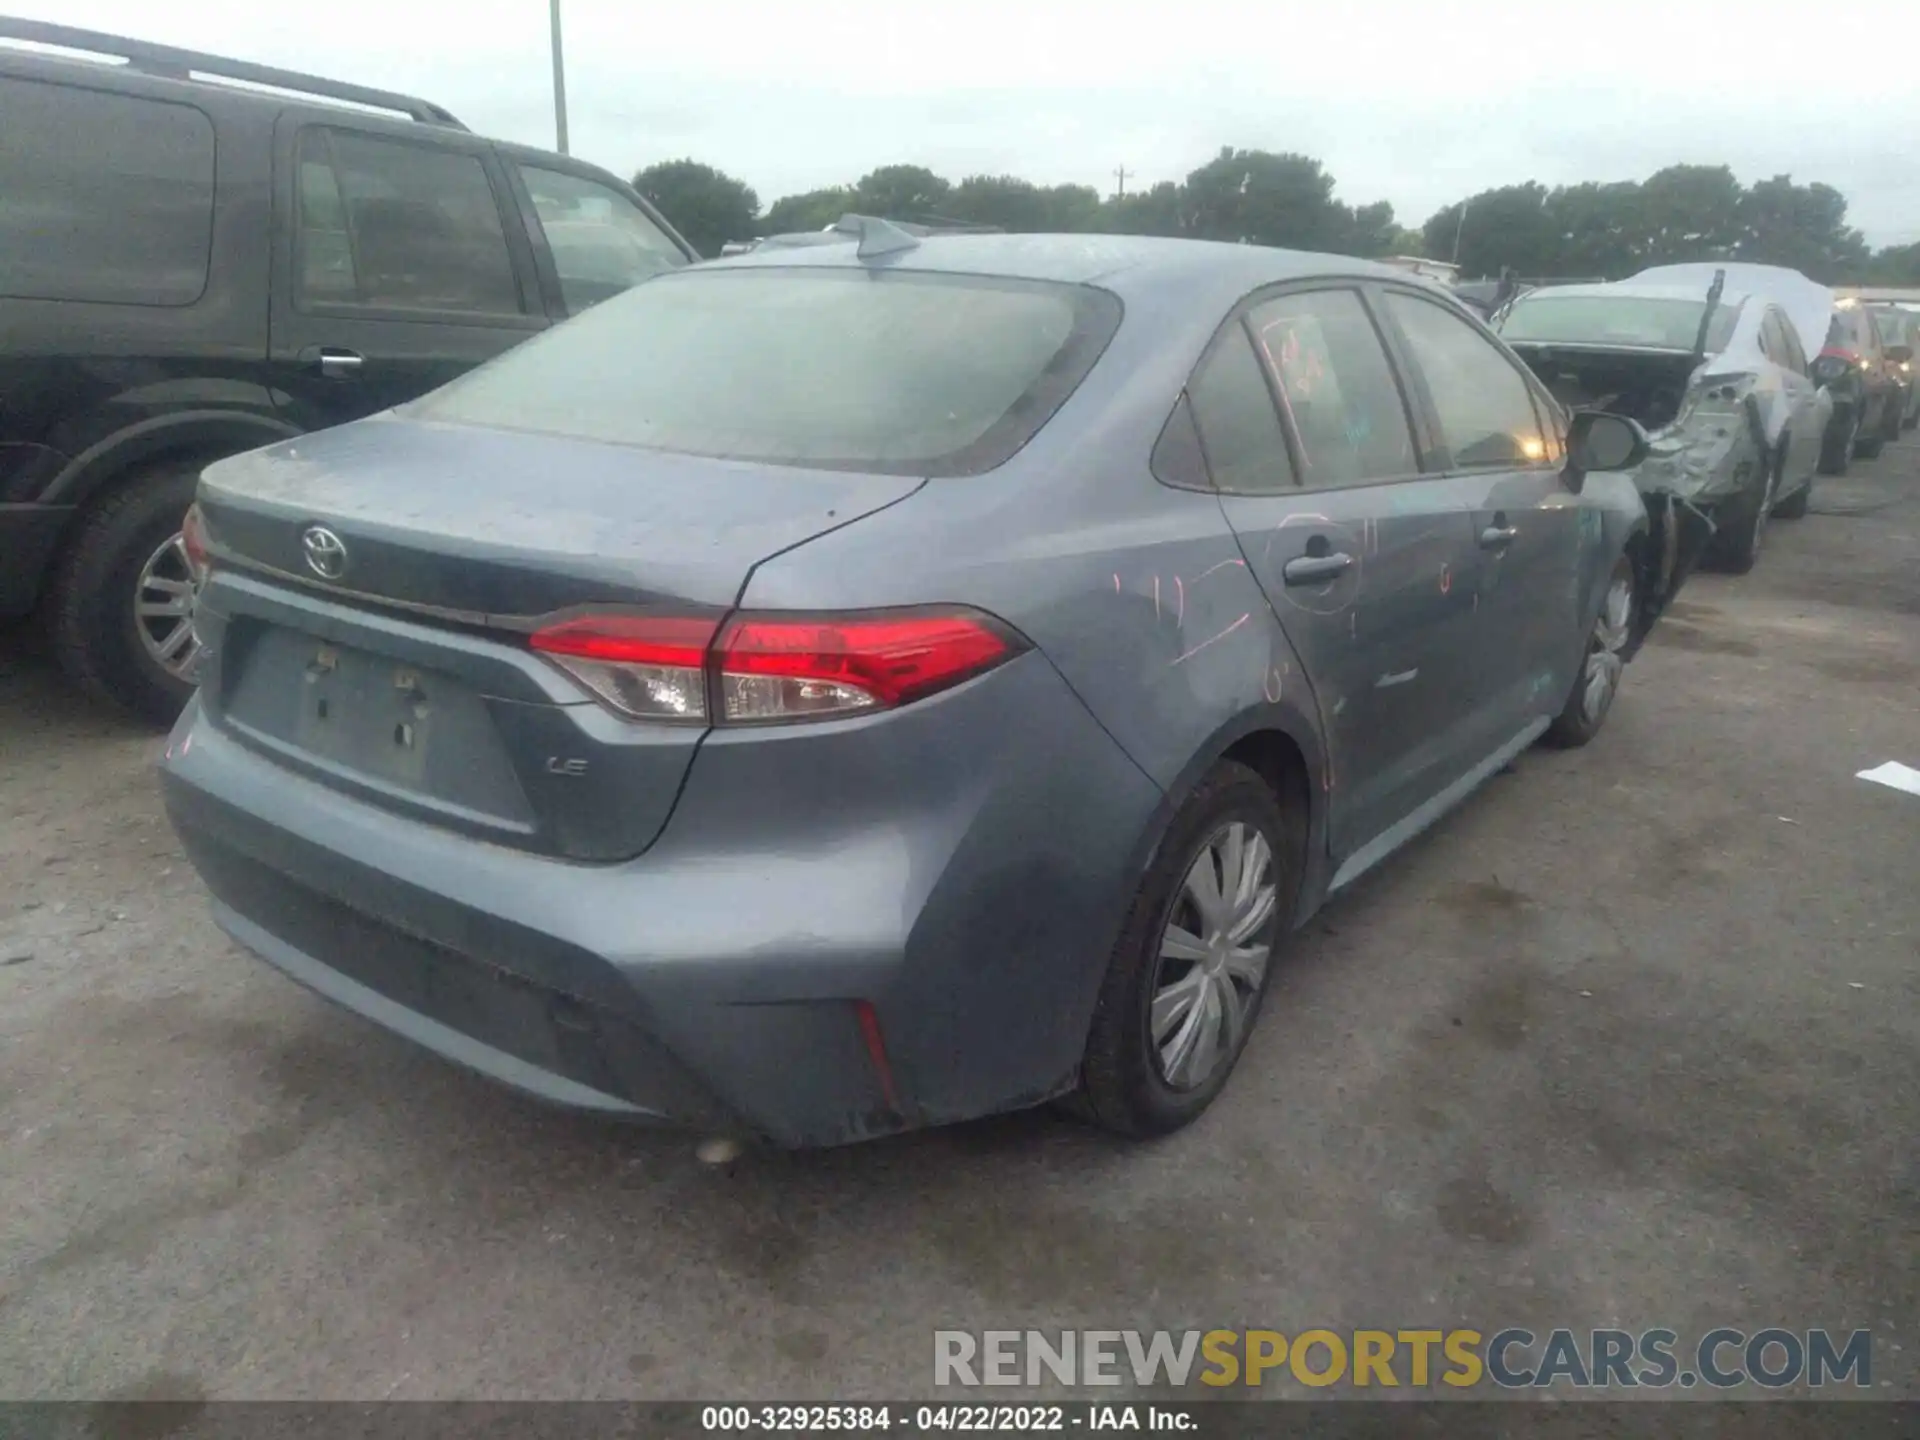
(1597, 440)
(1900, 354)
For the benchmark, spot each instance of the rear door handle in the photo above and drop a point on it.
(334, 364)
(1314, 569)
(1497, 537)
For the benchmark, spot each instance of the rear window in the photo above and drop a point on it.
(103, 198)
(906, 373)
(1895, 326)
(1617, 320)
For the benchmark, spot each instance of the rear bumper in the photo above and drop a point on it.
(28, 535)
(705, 983)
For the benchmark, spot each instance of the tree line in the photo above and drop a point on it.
(1591, 230)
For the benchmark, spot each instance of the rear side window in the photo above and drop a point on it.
(900, 372)
(1246, 452)
(397, 226)
(1340, 394)
(602, 242)
(1483, 404)
(103, 198)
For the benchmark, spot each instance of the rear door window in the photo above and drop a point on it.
(1483, 403)
(1336, 387)
(1246, 451)
(103, 198)
(602, 242)
(392, 225)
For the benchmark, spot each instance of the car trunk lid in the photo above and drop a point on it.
(388, 658)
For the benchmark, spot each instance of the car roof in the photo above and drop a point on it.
(1124, 264)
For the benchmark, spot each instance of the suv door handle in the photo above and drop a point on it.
(1313, 569)
(1497, 537)
(334, 364)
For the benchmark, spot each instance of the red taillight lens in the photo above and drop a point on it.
(193, 540)
(649, 667)
(774, 667)
(777, 668)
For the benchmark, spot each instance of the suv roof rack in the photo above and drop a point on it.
(176, 64)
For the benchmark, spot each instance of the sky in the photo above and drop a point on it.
(1417, 105)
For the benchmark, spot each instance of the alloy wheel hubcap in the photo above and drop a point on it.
(163, 610)
(1604, 657)
(1213, 955)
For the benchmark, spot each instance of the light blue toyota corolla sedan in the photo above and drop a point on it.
(859, 686)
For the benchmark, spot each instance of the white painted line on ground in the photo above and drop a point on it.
(1900, 777)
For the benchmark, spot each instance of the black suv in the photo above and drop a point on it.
(193, 268)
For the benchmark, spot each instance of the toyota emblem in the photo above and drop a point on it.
(326, 552)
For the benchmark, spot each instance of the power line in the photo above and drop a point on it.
(1121, 175)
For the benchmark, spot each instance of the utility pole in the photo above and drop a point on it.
(559, 83)
(1461, 225)
(1120, 174)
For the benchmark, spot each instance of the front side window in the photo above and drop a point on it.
(1338, 390)
(1483, 404)
(392, 225)
(602, 242)
(848, 369)
(106, 199)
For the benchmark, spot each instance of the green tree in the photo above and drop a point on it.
(810, 210)
(1895, 265)
(1161, 210)
(1802, 226)
(1072, 209)
(706, 205)
(1504, 226)
(1372, 231)
(901, 192)
(1595, 225)
(1687, 212)
(1260, 198)
(1002, 200)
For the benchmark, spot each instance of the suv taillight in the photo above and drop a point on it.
(193, 540)
(760, 668)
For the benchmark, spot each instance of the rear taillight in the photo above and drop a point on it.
(193, 540)
(761, 668)
(649, 667)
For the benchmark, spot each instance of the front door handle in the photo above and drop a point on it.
(335, 364)
(1497, 537)
(1315, 569)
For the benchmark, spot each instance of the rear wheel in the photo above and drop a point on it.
(1871, 439)
(1598, 682)
(1836, 449)
(1743, 521)
(1184, 986)
(122, 603)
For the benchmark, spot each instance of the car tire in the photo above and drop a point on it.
(1794, 507)
(1836, 448)
(1742, 522)
(1603, 663)
(1870, 441)
(1127, 1084)
(95, 632)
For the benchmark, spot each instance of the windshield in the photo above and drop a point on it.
(838, 369)
(1618, 320)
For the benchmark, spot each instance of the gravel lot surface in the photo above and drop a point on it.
(1632, 1039)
